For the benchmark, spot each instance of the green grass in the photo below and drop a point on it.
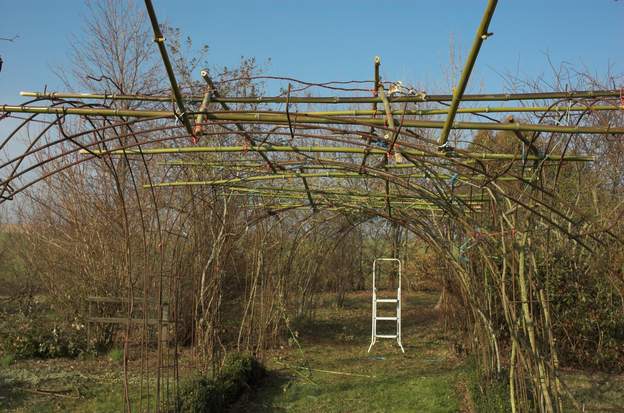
(428, 377)
(595, 391)
(385, 393)
(7, 360)
(65, 385)
(116, 355)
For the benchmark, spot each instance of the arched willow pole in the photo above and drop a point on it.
(439, 216)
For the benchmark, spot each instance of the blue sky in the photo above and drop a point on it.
(336, 40)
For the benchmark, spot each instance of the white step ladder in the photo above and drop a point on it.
(397, 300)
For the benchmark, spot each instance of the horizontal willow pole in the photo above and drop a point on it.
(485, 109)
(340, 206)
(318, 161)
(262, 178)
(302, 195)
(369, 201)
(334, 149)
(422, 97)
(377, 202)
(245, 166)
(274, 191)
(279, 118)
(295, 175)
(253, 164)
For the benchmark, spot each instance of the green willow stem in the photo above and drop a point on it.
(484, 109)
(512, 380)
(333, 149)
(277, 118)
(375, 203)
(160, 41)
(349, 206)
(529, 326)
(482, 97)
(263, 178)
(349, 200)
(247, 166)
(341, 192)
(288, 176)
(458, 92)
(320, 162)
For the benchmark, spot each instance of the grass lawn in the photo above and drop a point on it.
(64, 385)
(331, 372)
(427, 378)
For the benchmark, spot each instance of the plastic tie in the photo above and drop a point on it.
(453, 181)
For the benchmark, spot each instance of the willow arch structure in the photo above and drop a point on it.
(380, 150)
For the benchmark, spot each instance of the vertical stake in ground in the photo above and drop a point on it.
(397, 300)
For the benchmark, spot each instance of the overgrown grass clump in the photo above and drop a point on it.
(489, 394)
(7, 360)
(116, 355)
(205, 395)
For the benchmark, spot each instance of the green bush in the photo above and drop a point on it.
(199, 394)
(204, 395)
(24, 337)
(588, 318)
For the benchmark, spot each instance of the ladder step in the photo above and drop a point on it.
(386, 318)
(385, 335)
(387, 300)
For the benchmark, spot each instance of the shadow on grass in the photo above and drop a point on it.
(409, 391)
(11, 394)
(260, 399)
(345, 378)
(598, 392)
(352, 322)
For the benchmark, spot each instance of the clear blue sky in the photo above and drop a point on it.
(336, 40)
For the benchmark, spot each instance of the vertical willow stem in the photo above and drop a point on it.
(528, 322)
(373, 107)
(512, 378)
(199, 119)
(553, 350)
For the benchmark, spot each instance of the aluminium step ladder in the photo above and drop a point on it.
(397, 300)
